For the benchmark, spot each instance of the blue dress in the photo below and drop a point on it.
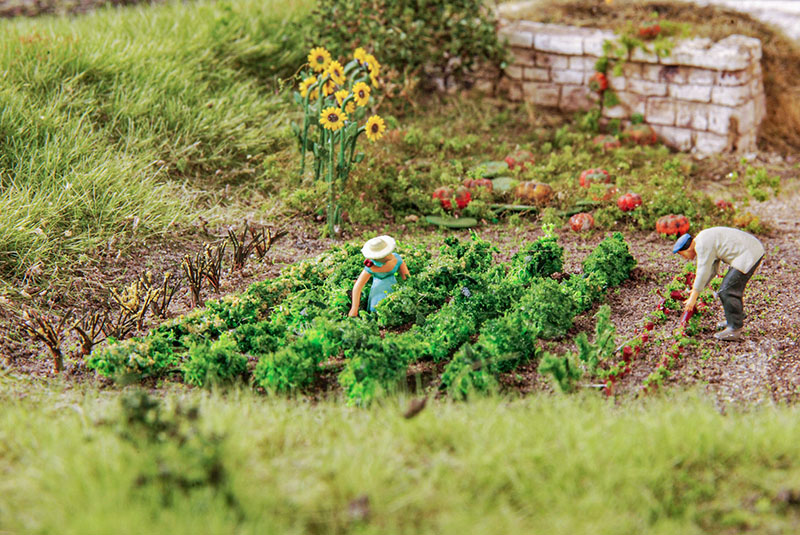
(382, 284)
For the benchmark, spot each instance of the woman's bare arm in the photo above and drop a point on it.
(404, 271)
(357, 288)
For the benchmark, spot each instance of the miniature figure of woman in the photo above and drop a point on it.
(383, 264)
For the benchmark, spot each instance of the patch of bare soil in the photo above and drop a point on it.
(764, 366)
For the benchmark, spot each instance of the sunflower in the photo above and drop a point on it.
(305, 84)
(375, 83)
(328, 88)
(372, 65)
(375, 128)
(332, 118)
(336, 72)
(341, 95)
(360, 55)
(319, 59)
(361, 91)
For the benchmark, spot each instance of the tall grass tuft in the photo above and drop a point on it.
(105, 118)
(76, 463)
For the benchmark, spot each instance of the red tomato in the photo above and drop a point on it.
(443, 194)
(593, 176)
(580, 222)
(598, 82)
(629, 201)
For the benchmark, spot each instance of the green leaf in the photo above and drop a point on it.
(503, 183)
(359, 157)
(451, 222)
(297, 98)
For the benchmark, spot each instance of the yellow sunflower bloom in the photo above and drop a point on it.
(375, 83)
(332, 119)
(341, 95)
(372, 64)
(375, 128)
(361, 91)
(328, 88)
(360, 55)
(319, 59)
(305, 84)
(336, 72)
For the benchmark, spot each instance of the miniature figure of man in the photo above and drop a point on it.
(741, 251)
(383, 264)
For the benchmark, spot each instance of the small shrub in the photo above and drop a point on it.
(214, 362)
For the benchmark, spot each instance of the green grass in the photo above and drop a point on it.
(123, 115)
(539, 465)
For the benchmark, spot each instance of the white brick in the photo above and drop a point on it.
(552, 60)
(695, 93)
(523, 56)
(733, 77)
(700, 76)
(742, 46)
(747, 142)
(719, 119)
(653, 73)
(761, 107)
(617, 83)
(644, 57)
(730, 96)
(542, 94)
(577, 98)
(746, 116)
(632, 102)
(516, 37)
(558, 43)
(660, 111)
(567, 77)
(514, 72)
(617, 112)
(593, 43)
(691, 115)
(632, 70)
(708, 143)
(674, 74)
(581, 63)
(679, 138)
(647, 89)
(687, 51)
(536, 74)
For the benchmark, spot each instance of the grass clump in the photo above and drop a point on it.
(106, 117)
(237, 462)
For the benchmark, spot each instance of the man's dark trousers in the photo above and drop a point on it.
(730, 293)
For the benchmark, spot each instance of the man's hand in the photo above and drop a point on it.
(691, 301)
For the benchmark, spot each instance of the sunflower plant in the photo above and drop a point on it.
(335, 99)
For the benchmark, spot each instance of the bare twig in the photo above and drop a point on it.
(213, 264)
(194, 268)
(42, 329)
(90, 329)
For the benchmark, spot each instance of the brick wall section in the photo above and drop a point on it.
(705, 97)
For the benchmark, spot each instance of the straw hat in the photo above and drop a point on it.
(379, 247)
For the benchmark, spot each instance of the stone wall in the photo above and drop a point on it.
(705, 97)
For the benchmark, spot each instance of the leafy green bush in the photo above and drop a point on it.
(611, 260)
(214, 362)
(136, 359)
(441, 38)
(541, 258)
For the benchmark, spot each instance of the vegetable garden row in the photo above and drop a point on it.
(462, 308)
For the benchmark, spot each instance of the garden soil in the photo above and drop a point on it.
(764, 367)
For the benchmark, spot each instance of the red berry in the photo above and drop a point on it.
(649, 326)
(645, 338)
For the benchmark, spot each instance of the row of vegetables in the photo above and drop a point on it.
(598, 182)
(477, 317)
